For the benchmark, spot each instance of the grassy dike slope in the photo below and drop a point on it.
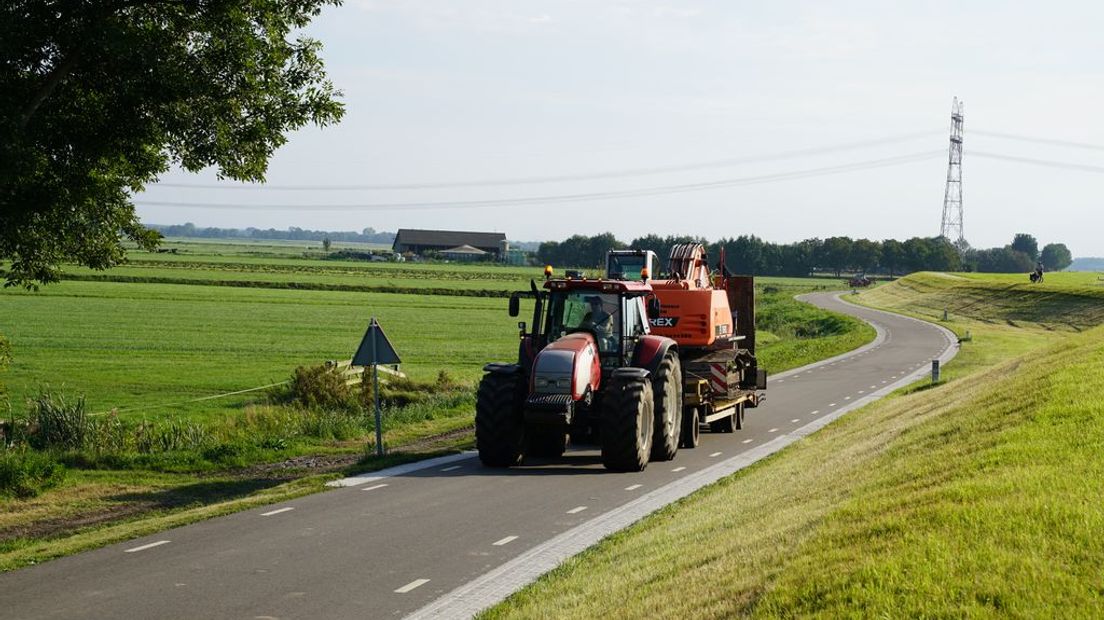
(978, 497)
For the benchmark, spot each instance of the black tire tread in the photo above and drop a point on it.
(499, 428)
(690, 429)
(625, 401)
(667, 378)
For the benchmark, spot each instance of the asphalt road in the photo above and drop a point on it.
(451, 537)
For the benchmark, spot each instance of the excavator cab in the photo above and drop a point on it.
(638, 265)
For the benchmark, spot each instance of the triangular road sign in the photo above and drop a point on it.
(375, 348)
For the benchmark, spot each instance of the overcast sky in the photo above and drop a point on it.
(441, 91)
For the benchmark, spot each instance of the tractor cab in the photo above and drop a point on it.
(615, 313)
(615, 319)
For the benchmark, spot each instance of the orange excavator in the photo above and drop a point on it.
(711, 317)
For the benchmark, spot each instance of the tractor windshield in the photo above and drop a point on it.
(598, 313)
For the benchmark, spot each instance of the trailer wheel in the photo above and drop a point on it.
(667, 391)
(546, 442)
(627, 425)
(726, 424)
(499, 426)
(691, 428)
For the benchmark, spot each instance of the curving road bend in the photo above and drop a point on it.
(447, 537)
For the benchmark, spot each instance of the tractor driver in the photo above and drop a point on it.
(599, 321)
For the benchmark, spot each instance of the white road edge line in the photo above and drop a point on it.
(149, 546)
(498, 583)
(576, 510)
(410, 586)
(276, 512)
(400, 470)
(504, 541)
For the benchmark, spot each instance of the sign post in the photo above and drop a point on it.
(376, 349)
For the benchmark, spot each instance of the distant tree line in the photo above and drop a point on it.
(368, 235)
(749, 254)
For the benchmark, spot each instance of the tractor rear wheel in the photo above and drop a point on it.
(691, 428)
(667, 392)
(499, 425)
(547, 442)
(627, 424)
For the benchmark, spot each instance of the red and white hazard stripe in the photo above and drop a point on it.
(718, 378)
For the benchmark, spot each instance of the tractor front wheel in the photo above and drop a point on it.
(667, 390)
(627, 424)
(499, 425)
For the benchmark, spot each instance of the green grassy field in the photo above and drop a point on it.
(148, 348)
(976, 498)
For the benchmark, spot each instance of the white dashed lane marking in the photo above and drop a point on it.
(715, 454)
(149, 546)
(795, 420)
(576, 510)
(276, 512)
(375, 486)
(678, 469)
(747, 441)
(815, 412)
(453, 468)
(504, 541)
(410, 586)
(633, 487)
(773, 430)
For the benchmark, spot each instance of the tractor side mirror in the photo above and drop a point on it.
(515, 306)
(653, 308)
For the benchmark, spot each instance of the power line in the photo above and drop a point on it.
(1040, 162)
(1050, 141)
(564, 198)
(613, 174)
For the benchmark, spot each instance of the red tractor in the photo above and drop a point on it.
(590, 369)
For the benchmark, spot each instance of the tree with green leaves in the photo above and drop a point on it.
(835, 254)
(893, 255)
(1056, 256)
(1026, 244)
(100, 97)
(866, 254)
